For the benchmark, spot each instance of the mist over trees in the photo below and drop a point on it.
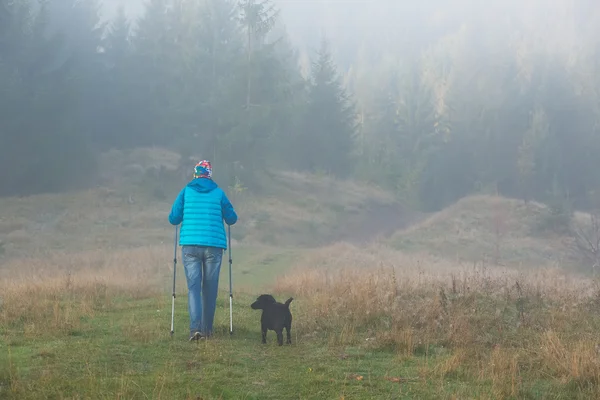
(435, 105)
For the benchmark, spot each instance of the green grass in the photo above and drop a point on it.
(120, 348)
(111, 342)
(126, 352)
(115, 358)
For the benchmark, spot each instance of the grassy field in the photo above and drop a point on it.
(407, 330)
(474, 302)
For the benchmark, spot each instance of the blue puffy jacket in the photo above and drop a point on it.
(200, 208)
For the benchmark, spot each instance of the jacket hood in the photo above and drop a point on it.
(202, 185)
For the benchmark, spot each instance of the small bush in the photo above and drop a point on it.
(556, 219)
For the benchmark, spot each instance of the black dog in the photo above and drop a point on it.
(275, 316)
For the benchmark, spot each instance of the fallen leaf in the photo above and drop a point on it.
(355, 376)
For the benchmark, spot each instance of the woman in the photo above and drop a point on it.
(200, 208)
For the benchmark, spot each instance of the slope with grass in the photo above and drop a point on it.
(130, 209)
(493, 230)
(290, 210)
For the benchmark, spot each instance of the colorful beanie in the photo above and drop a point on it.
(203, 170)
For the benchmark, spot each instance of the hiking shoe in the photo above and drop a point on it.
(196, 336)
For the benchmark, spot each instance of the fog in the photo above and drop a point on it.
(373, 25)
(432, 100)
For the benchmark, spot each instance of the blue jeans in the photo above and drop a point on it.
(202, 266)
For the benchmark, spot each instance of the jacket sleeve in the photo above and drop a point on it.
(176, 215)
(229, 214)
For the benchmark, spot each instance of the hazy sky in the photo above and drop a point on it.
(400, 26)
(364, 15)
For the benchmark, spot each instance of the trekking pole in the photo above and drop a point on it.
(230, 284)
(174, 274)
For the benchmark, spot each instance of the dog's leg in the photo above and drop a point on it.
(289, 337)
(264, 335)
(280, 337)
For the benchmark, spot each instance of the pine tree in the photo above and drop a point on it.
(225, 95)
(153, 44)
(268, 89)
(116, 127)
(117, 42)
(257, 18)
(418, 135)
(40, 129)
(528, 150)
(379, 144)
(330, 121)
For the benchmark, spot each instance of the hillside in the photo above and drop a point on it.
(290, 211)
(130, 209)
(492, 230)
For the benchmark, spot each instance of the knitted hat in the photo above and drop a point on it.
(203, 170)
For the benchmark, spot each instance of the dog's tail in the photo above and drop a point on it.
(288, 301)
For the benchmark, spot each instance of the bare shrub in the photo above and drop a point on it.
(586, 234)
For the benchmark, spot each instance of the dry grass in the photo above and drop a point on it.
(60, 292)
(497, 325)
(52, 295)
